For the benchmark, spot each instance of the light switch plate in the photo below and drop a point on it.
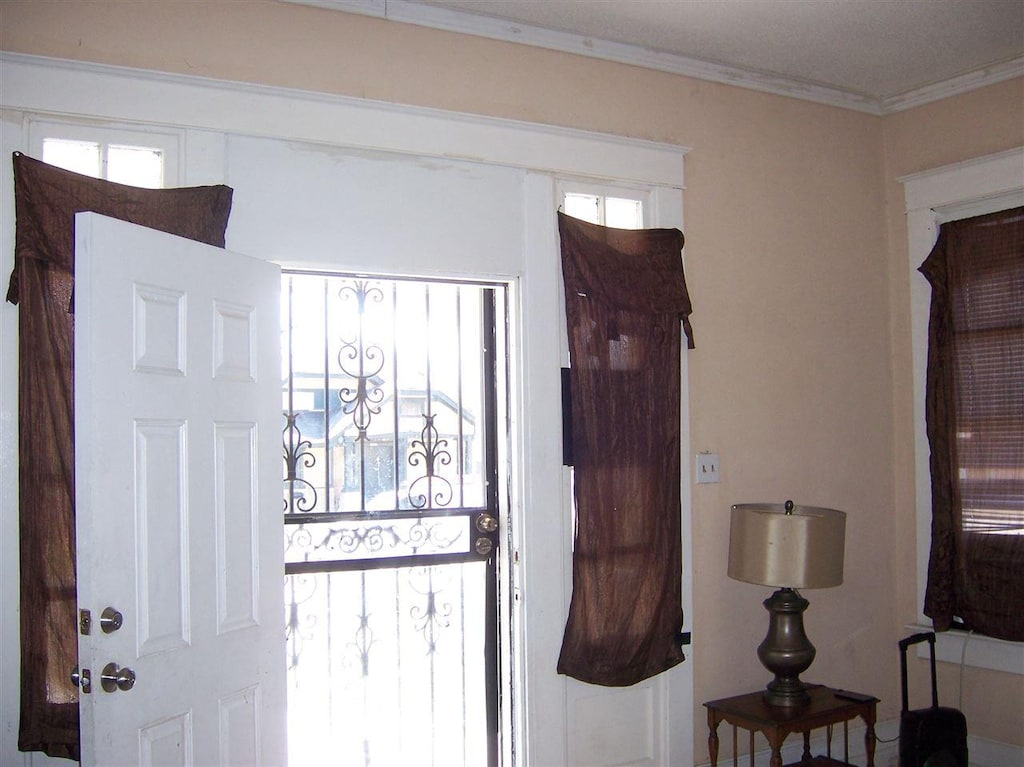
(707, 468)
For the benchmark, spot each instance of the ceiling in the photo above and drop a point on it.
(875, 55)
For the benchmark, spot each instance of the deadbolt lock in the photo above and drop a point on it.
(484, 546)
(110, 620)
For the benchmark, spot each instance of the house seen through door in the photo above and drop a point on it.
(391, 443)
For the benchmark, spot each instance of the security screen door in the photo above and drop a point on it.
(390, 499)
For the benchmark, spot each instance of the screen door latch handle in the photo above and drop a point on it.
(485, 523)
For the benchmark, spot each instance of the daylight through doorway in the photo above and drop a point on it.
(391, 509)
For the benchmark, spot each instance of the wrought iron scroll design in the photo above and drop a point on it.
(375, 538)
(430, 614)
(361, 361)
(301, 623)
(434, 614)
(297, 450)
(430, 451)
(363, 639)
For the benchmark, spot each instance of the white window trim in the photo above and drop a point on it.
(168, 142)
(52, 86)
(969, 188)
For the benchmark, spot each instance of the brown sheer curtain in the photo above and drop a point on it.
(625, 299)
(46, 200)
(975, 420)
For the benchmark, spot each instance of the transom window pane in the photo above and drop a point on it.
(135, 165)
(622, 213)
(586, 207)
(77, 156)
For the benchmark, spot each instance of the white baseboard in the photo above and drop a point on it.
(982, 752)
(991, 753)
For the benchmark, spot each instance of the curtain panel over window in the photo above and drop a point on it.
(626, 301)
(975, 421)
(42, 283)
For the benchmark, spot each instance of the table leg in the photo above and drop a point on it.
(869, 736)
(713, 738)
(776, 744)
(807, 747)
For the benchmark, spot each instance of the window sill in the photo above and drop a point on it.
(982, 651)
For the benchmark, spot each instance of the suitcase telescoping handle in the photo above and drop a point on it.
(925, 636)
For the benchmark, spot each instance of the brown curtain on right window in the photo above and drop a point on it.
(625, 300)
(42, 284)
(975, 419)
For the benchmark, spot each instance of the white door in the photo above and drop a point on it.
(178, 500)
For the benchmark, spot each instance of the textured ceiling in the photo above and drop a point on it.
(872, 48)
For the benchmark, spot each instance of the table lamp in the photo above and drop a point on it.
(789, 547)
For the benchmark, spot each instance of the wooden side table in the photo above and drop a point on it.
(825, 709)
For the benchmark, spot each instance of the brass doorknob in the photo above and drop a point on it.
(117, 678)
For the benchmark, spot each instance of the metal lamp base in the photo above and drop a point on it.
(786, 651)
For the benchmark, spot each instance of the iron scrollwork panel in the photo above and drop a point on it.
(300, 495)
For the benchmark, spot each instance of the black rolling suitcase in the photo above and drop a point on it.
(930, 737)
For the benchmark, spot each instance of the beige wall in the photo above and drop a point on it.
(794, 248)
(972, 125)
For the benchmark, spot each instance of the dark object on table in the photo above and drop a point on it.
(930, 737)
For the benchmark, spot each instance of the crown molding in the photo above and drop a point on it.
(622, 53)
(449, 20)
(964, 83)
(362, 7)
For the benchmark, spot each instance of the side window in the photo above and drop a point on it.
(619, 208)
(933, 197)
(123, 155)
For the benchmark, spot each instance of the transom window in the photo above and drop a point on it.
(616, 212)
(134, 165)
(122, 155)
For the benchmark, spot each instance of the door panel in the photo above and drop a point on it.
(177, 358)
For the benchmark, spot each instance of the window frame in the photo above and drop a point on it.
(933, 197)
(169, 142)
